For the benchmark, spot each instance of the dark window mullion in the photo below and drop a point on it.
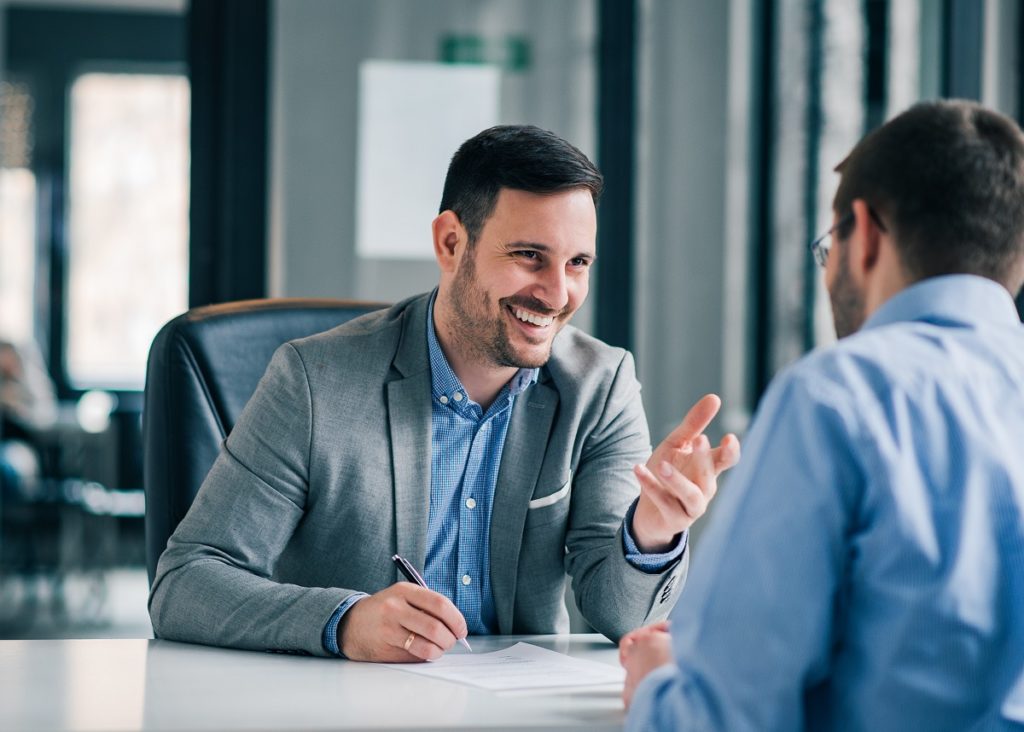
(616, 153)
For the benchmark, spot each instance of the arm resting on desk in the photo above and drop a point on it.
(213, 583)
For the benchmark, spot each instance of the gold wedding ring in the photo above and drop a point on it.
(409, 640)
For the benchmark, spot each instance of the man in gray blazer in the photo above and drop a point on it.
(469, 430)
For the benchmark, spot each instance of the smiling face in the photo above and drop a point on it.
(505, 298)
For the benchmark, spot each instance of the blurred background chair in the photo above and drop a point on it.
(203, 367)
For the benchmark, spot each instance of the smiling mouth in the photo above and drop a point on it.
(525, 316)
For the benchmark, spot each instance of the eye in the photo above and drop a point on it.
(579, 262)
(529, 254)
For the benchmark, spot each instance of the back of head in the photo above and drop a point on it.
(947, 179)
(520, 157)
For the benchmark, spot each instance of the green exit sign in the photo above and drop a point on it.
(511, 53)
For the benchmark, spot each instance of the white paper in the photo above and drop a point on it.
(523, 666)
(412, 118)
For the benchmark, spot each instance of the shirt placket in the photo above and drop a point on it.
(472, 510)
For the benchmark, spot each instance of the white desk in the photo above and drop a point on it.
(114, 685)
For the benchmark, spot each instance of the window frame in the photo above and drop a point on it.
(49, 48)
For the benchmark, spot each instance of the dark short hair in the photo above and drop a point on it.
(520, 157)
(947, 179)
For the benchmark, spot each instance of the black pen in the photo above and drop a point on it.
(413, 576)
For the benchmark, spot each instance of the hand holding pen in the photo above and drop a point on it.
(410, 573)
(401, 623)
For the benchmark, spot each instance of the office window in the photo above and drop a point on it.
(127, 221)
(17, 214)
(17, 253)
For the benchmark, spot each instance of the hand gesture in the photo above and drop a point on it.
(404, 622)
(680, 478)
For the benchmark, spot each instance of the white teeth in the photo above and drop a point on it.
(529, 317)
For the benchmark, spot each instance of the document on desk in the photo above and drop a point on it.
(522, 667)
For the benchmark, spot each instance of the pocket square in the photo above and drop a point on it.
(553, 498)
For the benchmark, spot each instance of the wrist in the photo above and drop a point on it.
(648, 538)
(656, 545)
(342, 626)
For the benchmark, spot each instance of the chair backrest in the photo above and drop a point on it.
(203, 367)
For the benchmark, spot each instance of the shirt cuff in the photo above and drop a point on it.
(330, 636)
(652, 563)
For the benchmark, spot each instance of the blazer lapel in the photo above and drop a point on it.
(409, 425)
(521, 460)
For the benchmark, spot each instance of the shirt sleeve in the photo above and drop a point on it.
(658, 698)
(756, 630)
(330, 639)
(649, 562)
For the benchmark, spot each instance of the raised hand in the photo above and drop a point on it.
(680, 478)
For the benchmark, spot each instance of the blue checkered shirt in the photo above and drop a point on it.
(466, 446)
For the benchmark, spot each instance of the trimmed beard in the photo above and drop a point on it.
(476, 333)
(847, 301)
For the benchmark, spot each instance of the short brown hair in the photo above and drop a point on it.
(520, 157)
(947, 178)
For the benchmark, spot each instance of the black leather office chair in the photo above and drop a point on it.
(203, 367)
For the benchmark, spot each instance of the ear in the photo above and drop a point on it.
(449, 240)
(868, 237)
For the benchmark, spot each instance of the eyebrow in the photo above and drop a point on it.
(539, 247)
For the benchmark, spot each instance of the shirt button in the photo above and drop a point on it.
(466, 579)
(470, 503)
(443, 399)
(457, 396)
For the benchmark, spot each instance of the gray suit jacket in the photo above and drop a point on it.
(327, 474)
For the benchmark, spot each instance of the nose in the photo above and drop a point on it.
(553, 288)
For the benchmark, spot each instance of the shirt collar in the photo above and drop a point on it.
(961, 299)
(444, 382)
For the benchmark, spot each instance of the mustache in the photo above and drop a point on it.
(532, 304)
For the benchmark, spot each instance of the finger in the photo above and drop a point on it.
(629, 641)
(696, 420)
(699, 467)
(687, 492)
(396, 644)
(419, 648)
(429, 628)
(727, 454)
(440, 607)
(690, 495)
(663, 499)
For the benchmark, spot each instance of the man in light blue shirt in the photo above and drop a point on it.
(865, 570)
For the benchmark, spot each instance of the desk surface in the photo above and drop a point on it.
(160, 685)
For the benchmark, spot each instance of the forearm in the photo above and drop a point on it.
(209, 601)
(213, 583)
(616, 597)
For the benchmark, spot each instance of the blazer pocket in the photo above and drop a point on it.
(550, 508)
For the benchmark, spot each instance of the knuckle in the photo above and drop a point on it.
(391, 604)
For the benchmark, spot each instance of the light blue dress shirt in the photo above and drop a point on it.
(466, 448)
(864, 569)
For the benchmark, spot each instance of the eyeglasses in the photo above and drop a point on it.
(821, 246)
